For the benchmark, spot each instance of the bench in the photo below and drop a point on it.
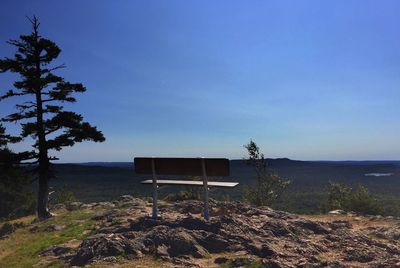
(205, 167)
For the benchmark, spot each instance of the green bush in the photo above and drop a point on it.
(62, 196)
(338, 196)
(8, 228)
(17, 198)
(225, 198)
(359, 200)
(189, 194)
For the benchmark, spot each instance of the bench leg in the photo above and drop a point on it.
(155, 205)
(206, 211)
(205, 185)
(155, 195)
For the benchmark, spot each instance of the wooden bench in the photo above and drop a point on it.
(205, 167)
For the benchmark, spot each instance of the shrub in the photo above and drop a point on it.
(6, 228)
(338, 196)
(63, 196)
(225, 198)
(17, 198)
(189, 193)
(183, 195)
(360, 200)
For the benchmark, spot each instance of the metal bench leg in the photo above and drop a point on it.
(205, 185)
(155, 205)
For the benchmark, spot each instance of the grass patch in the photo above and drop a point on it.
(22, 248)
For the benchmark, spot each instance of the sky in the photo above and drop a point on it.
(307, 80)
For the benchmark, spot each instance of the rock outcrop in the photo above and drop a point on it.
(273, 238)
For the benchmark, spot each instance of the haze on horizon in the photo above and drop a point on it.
(309, 80)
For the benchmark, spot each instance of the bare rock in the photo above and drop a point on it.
(58, 207)
(263, 251)
(312, 226)
(130, 201)
(221, 260)
(242, 261)
(74, 206)
(99, 246)
(55, 251)
(194, 207)
(385, 233)
(266, 263)
(274, 238)
(106, 215)
(339, 224)
(358, 255)
(337, 212)
(178, 241)
(213, 243)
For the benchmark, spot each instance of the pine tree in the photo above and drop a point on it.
(40, 112)
(269, 185)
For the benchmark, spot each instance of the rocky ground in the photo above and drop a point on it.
(237, 235)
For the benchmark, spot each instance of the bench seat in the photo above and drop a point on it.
(192, 183)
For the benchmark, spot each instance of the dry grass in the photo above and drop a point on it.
(22, 248)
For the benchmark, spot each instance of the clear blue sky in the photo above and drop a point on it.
(304, 79)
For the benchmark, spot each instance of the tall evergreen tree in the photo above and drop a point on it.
(40, 112)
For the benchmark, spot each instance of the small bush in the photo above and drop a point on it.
(338, 196)
(183, 195)
(360, 200)
(63, 196)
(17, 198)
(225, 198)
(8, 228)
(189, 193)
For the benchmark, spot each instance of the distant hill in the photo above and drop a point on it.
(273, 162)
(102, 181)
(106, 164)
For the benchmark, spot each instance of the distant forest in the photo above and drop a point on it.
(100, 181)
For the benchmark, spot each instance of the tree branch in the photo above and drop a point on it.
(57, 67)
(48, 100)
(11, 93)
(53, 130)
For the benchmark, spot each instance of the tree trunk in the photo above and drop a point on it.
(43, 198)
(44, 163)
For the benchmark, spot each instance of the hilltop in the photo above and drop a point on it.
(119, 234)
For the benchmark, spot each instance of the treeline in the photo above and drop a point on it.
(272, 190)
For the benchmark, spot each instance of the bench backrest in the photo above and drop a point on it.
(217, 167)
